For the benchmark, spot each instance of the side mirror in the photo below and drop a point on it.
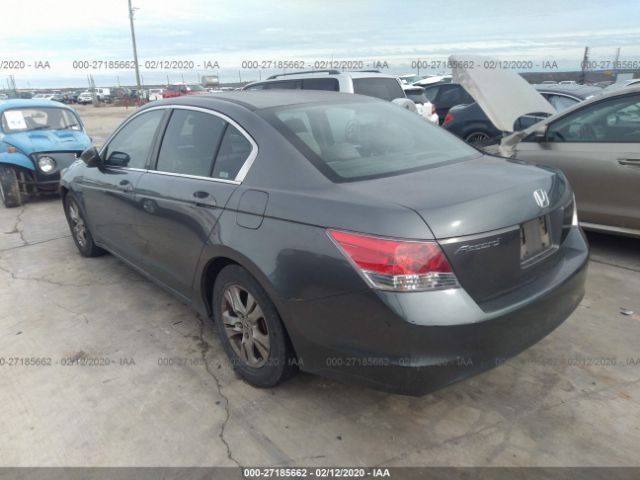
(91, 157)
(540, 133)
(118, 159)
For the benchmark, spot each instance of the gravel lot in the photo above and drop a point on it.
(573, 399)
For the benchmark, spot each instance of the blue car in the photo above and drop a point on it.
(38, 139)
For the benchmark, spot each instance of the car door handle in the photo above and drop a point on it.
(635, 162)
(125, 186)
(200, 194)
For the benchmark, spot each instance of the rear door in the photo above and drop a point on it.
(598, 148)
(181, 199)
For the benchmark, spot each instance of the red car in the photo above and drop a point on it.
(179, 89)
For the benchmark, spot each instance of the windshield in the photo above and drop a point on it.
(356, 141)
(195, 88)
(41, 118)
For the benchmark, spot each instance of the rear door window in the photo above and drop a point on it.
(190, 143)
(328, 84)
(383, 88)
(286, 84)
(233, 153)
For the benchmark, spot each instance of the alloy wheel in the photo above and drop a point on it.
(77, 224)
(245, 326)
(477, 137)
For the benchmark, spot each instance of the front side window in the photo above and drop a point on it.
(190, 143)
(612, 121)
(130, 147)
(366, 140)
(45, 118)
(384, 88)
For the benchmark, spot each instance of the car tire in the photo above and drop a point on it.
(79, 229)
(250, 329)
(10, 193)
(477, 137)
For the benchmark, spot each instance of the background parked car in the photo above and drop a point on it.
(470, 123)
(70, 98)
(596, 144)
(618, 85)
(39, 139)
(371, 84)
(155, 94)
(180, 89)
(446, 95)
(85, 97)
(424, 106)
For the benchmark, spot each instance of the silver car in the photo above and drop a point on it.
(597, 145)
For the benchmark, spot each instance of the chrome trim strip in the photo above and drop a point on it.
(596, 227)
(195, 177)
(242, 173)
(478, 236)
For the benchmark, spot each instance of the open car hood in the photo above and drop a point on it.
(503, 95)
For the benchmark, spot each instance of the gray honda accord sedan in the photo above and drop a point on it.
(334, 233)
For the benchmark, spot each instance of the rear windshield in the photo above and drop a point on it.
(357, 141)
(417, 96)
(383, 88)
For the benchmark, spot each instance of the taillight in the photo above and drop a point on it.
(396, 264)
(448, 118)
(433, 109)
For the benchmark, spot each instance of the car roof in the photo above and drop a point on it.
(576, 90)
(30, 103)
(258, 100)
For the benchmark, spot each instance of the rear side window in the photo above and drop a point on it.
(355, 141)
(384, 88)
(287, 85)
(234, 151)
(328, 84)
(190, 143)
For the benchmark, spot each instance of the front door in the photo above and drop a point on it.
(108, 191)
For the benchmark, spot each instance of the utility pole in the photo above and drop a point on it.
(585, 66)
(135, 51)
(616, 62)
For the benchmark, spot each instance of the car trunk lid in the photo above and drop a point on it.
(478, 210)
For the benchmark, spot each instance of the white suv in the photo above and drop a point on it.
(370, 83)
(373, 84)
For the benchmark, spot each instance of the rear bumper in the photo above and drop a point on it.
(414, 343)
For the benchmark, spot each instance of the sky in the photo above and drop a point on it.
(396, 32)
